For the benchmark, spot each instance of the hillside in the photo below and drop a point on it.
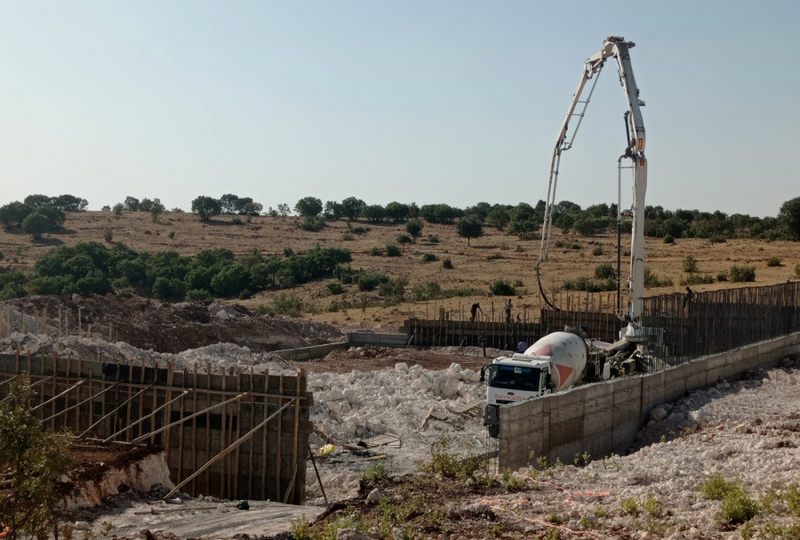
(493, 256)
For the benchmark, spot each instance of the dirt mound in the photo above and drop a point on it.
(164, 327)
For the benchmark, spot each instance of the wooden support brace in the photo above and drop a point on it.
(182, 420)
(59, 413)
(124, 403)
(145, 417)
(241, 440)
(67, 391)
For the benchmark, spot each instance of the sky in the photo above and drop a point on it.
(425, 101)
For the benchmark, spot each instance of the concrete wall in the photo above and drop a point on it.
(604, 417)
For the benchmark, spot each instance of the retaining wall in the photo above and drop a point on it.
(604, 417)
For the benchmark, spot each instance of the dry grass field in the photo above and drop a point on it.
(496, 255)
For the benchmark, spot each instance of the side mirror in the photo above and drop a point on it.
(483, 373)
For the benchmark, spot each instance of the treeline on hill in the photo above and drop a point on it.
(92, 268)
(46, 214)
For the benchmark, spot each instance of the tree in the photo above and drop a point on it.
(789, 218)
(156, 209)
(352, 207)
(33, 460)
(308, 207)
(131, 204)
(36, 223)
(396, 211)
(206, 207)
(333, 210)
(283, 209)
(414, 228)
(498, 217)
(12, 214)
(118, 208)
(229, 203)
(470, 227)
(70, 203)
(37, 201)
(374, 213)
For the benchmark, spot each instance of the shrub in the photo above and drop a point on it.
(287, 304)
(605, 271)
(742, 273)
(447, 464)
(773, 262)
(597, 251)
(717, 239)
(393, 290)
(501, 287)
(376, 251)
(108, 235)
(651, 279)
(414, 228)
(715, 487)
(630, 507)
(738, 507)
(429, 257)
(697, 279)
(311, 223)
(722, 276)
(369, 282)
(360, 230)
(118, 208)
(377, 472)
(392, 250)
(433, 239)
(669, 239)
(447, 264)
(690, 265)
(335, 288)
(587, 284)
(404, 239)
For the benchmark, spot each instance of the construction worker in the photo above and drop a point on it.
(473, 311)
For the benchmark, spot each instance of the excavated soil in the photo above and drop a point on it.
(169, 328)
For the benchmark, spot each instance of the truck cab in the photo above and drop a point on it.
(512, 379)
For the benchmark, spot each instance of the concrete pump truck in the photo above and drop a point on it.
(561, 359)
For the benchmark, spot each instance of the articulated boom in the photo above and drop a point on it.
(619, 49)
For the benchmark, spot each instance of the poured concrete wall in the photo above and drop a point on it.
(604, 417)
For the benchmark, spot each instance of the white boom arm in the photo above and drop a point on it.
(619, 49)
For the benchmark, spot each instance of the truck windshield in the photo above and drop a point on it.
(514, 377)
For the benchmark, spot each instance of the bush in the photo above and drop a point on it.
(605, 271)
(414, 228)
(501, 287)
(717, 239)
(392, 250)
(587, 284)
(447, 464)
(393, 290)
(433, 239)
(651, 279)
(669, 239)
(376, 251)
(404, 239)
(287, 304)
(738, 507)
(335, 288)
(108, 235)
(690, 265)
(447, 264)
(312, 223)
(722, 276)
(742, 273)
(369, 282)
(377, 472)
(697, 279)
(773, 262)
(429, 257)
(118, 208)
(597, 251)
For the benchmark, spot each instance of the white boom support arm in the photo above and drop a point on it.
(619, 49)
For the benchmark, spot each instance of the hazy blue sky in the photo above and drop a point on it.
(435, 101)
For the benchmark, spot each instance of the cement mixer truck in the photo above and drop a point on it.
(561, 359)
(554, 363)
